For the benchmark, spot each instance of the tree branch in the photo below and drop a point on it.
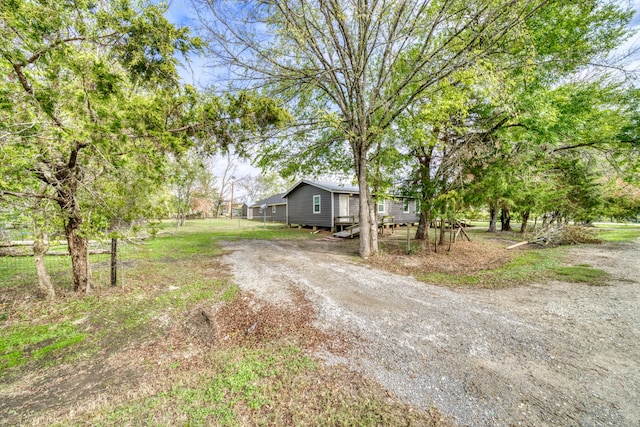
(33, 58)
(571, 147)
(29, 89)
(22, 195)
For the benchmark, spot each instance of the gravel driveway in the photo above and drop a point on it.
(544, 354)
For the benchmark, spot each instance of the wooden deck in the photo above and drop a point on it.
(354, 230)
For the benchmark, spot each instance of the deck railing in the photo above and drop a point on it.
(345, 220)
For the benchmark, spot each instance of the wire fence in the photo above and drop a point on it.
(17, 267)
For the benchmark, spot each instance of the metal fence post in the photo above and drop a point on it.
(114, 261)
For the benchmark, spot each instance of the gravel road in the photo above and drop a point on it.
(545, 354)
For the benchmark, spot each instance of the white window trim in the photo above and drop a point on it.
(273, 209)
(406, 205)
(384, 207)
(319, 204)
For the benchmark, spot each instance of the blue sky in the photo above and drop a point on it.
(636, 5)
(180, 12)
(194, 71)
(197, 73)
(634, 42)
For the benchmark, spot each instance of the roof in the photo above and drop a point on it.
(276, 199)
(327, 186)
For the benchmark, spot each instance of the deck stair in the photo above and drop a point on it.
(349, 232)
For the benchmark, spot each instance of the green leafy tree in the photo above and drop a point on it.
(91, 96)
(501, 123)
(88, 87)
(582, 140)
(621, 200)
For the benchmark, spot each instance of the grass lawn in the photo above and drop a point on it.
(612, 232)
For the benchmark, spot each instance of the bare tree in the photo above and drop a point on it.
(355, 65)
(262, 186)
(225, 184)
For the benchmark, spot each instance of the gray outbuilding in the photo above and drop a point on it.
(271, 209)
(331, 205)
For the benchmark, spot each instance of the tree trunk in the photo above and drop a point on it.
(423, 228)
(66, 178)
(373, 224)
(424, 155)
(76, 242)
(367, 217)
(545, 220)
(114, 261)
(505, 219)
(525, 220)
(40, 248)
(493, 215)
(79, 251)
(443, 232)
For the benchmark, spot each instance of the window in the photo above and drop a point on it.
(405, 205)
(273, 209)
(316, 204)
(381, 206)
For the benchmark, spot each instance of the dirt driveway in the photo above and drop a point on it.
(543, 354)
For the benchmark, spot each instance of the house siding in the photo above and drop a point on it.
(300, 204)
(394, 208)
(257, 215)
(279, 216)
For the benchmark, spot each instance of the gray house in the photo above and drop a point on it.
(273, 209)
(329, 205)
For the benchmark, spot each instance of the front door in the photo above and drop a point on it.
(343, 202)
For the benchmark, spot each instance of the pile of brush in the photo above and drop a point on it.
(566, 235)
